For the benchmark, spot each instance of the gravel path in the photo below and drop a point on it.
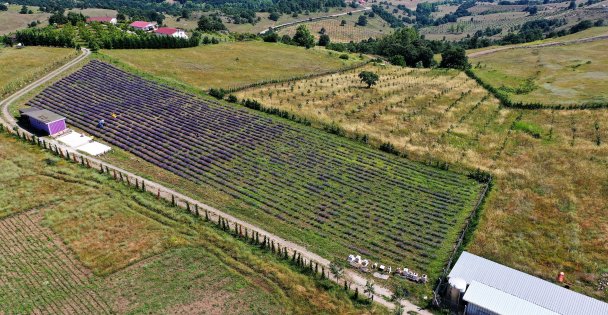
(382, 293)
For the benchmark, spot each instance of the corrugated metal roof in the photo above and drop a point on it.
(500, 302)
(43, 115)
(524, 286)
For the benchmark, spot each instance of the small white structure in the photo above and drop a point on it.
(74, 139)
(143, 25)
(171, 32)
(83, 143)
(94, 148)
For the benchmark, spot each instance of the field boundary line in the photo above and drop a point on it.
(297, 78)
(382, 295)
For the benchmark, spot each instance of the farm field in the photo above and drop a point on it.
(265, 22)
(12, 21)
(20, 66)
(95, 12)
(343, 201)
(549, 165)
(229, 65)
(509, 18)
(375, 28)
(571, 74)
(71, 237)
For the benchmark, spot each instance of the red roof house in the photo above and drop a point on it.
(143, 25)
(102, 19)
(169, 31)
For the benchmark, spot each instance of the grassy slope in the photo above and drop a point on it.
(231, 64)
(11, 20)
(569, 74)
(109, 226)
(376, 27)
(547, 211)
(23, 65)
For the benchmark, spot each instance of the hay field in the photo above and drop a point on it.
(11, 20)
(375, 28)
(547, 210)
(231, 64)
(24, 65)
(265, 22)
(109, 248)
(570, 74)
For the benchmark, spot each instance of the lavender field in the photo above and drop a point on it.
(362, 200)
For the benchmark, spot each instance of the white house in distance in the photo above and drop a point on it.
(173, 32)
(143, 25)
(102, 19)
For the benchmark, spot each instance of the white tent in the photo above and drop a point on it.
(94, 148)
(74, 139)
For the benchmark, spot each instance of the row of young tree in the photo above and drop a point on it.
(529, 32)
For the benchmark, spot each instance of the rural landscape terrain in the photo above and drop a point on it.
(298, 157)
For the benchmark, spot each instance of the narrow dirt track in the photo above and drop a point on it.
(382, 294)
(568, 42)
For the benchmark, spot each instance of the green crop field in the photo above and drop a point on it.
(546, 211)
(335, 196)
(20, 66)
(76, 241)
(232, 64)
(570, 74)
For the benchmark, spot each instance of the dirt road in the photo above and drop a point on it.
(382, 293)
(568, 42)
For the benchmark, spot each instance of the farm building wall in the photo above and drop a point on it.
(473, 309)
(56, 126)
(38, 125)
(50, 128)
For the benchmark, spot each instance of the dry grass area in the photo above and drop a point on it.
(265, 22)
(12, 20)
(569, 74)
(126, 252)
(376, 27)
(547, 211)
(20, 66)
(95, 12)
(231, 64)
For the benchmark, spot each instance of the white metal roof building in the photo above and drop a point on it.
(498, 289)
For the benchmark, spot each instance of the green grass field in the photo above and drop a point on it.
(77, 241)
(20, 66)
(568, 75)
(232, 64)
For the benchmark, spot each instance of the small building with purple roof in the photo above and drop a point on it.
(44, 120)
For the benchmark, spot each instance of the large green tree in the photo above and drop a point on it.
(454, 57)
(303, 37)
(211, 23)
(369, 78)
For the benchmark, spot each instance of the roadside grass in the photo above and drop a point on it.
(117, 232)
(232, 64)
(568, 75)
(21, 66)
(12, 20)
(546, 212)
